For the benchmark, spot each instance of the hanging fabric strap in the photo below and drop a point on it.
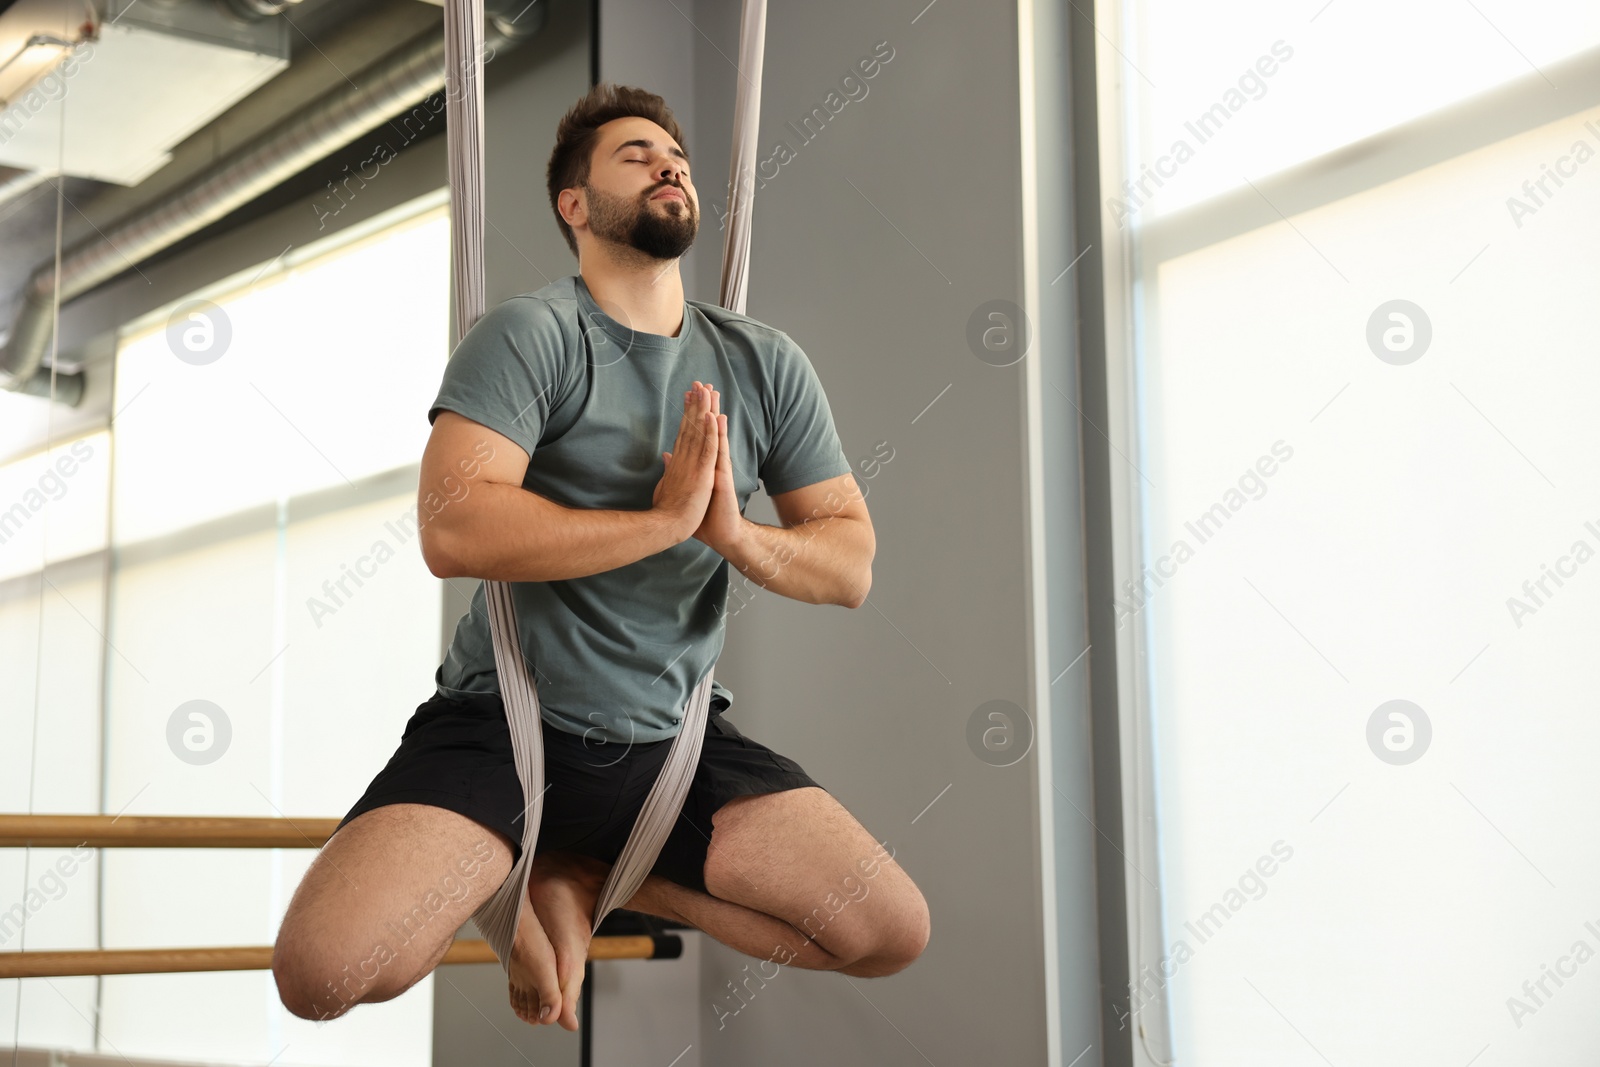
(497, 917)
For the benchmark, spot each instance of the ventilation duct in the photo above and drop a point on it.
(382, 91)
(142, 77)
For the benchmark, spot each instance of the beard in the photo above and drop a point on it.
(664, 232)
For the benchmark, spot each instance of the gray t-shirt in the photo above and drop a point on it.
(594, 403)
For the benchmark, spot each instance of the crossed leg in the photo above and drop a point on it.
(793, 873)
(791, 877)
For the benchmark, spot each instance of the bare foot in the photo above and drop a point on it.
(564, 887)
(535, 996)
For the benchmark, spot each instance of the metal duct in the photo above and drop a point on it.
(387, 88)
(256, 9)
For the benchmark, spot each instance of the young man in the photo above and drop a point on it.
(595, 443)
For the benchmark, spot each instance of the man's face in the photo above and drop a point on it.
(639, 193)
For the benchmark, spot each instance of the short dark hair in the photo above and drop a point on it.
(579, 127)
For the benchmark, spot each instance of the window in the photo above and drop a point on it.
(261, 651)
(1362, 438)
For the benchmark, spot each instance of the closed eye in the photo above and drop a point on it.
(685, 173)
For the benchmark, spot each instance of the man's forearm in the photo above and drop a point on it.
(510, 534)
(825, 560)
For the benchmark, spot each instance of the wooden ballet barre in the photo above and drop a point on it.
(162, 831)
(196, 831)
(81, 962)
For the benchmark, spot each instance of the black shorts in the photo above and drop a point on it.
(456, 754)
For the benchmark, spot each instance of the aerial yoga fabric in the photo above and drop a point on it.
(497, 917)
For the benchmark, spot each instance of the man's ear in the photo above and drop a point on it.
(577, 205)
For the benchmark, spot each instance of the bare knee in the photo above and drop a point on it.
(313, 983)
(377, 909)
(296, 976)
(898, 945)
(295, 991)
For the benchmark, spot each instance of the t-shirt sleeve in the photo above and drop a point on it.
(805, 446)
(507, 372)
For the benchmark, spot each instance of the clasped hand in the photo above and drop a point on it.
(697, 489)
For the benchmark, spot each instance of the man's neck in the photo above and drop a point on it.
(647, 296)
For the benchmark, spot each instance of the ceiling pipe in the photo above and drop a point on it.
(255, 10)
(405, 77)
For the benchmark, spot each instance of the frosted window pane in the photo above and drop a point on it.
(53, 504)
(203, 626)
(197, 625)
(20, 604)
(1377, 561)
(325, 378)
(209, 604)
(1343, 73)
(359, 662)
(237, 1018)
(22, 422)
(48, 896)
(65, 624)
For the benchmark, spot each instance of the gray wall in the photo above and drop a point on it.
(871, 248)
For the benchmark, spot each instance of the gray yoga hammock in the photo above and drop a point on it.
(498, 916)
